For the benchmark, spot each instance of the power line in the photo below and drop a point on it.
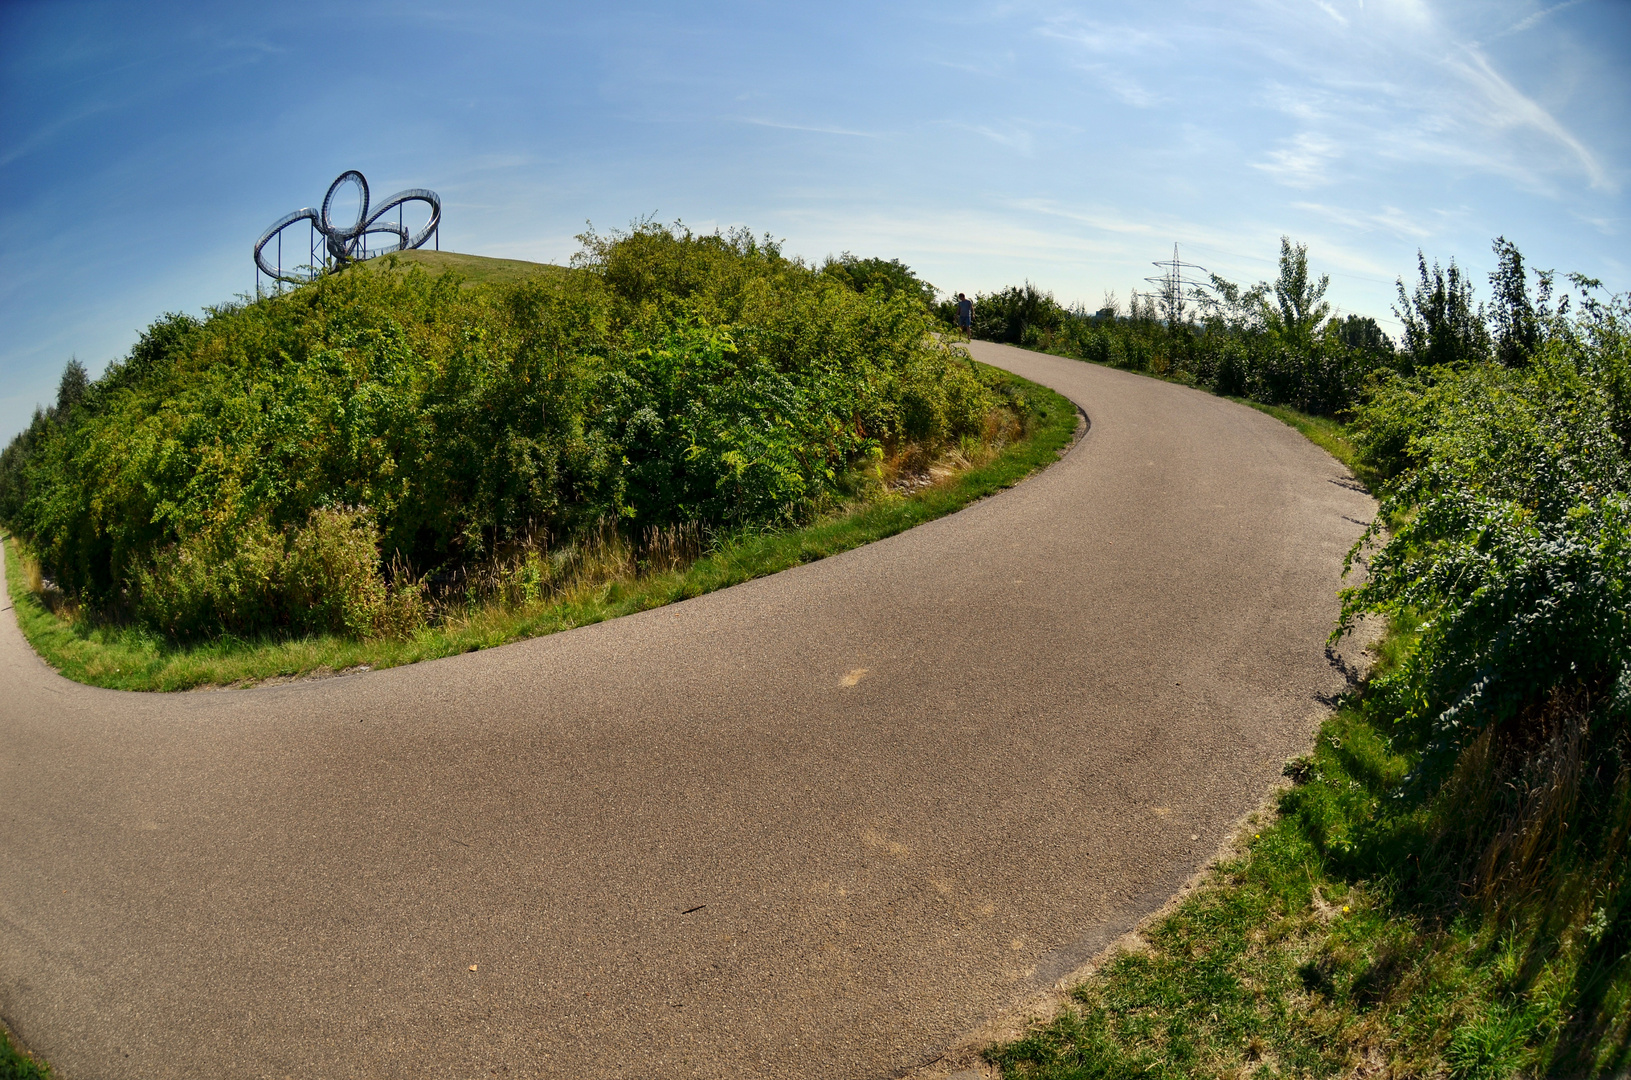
(1173, 281)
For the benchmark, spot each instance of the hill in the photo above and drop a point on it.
(475, 269)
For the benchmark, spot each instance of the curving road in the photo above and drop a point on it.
(817, 825)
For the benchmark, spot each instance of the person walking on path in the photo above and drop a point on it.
(965, 315)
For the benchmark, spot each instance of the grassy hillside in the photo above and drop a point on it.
(474, 269)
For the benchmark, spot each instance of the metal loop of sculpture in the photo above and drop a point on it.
(348, 243)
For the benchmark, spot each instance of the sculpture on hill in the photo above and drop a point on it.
(342, 244)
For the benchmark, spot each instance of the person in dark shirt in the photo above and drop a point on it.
(965, 315)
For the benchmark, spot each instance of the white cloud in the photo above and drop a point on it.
(1389, 219)
(1528, 23)
(1014, 140)
(1097, 37)
(1341, 19)
(817, 129)
(1124, 87)
(1303, 162)
(1507, 107)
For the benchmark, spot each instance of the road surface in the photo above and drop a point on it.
(817, 825)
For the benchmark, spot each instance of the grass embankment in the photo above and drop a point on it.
(132, 658)
(389, 454)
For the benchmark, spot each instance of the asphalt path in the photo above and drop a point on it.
(816, 825)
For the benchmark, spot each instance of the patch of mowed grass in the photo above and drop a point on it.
(133, 658)
(1315, 949)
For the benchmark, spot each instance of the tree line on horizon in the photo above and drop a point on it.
(1277, 341)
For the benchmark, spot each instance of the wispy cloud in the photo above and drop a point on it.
(1606, 225)
(1303, 162)
(1013, 139)
(1342, 20)
(45, 133)
(1389, 218)
(1508, 107)
(1118, 40)
(817, 129)
(1101, 219)
(1528, 23)
(1122, 86)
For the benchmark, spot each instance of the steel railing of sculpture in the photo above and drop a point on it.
(344, 244)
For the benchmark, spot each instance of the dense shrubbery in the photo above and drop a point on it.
(1507, 480)
(274, 464)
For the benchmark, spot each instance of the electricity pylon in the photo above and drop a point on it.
(1173, 281)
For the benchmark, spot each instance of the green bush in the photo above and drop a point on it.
(1512, 498)
(1016, 315)
(1509, 499)
(890, 275)
(257, 468)
(323, 576)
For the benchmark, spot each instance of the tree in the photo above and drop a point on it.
(14, 460)
(1012, 314)
(14, 467)
(1517, 328)
(1360, 332)
(891, 275)
(71, 388)
(1442, 322)
(1299, 303)
(1240, 309)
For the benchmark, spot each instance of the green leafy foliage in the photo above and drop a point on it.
(890, 275)
(1299, 307)
(1017, 315)
(1273, 342)
(307, 461)
(586, 579)
(1443, 324)
(1511, 487)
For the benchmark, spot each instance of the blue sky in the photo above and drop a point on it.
(143, 147)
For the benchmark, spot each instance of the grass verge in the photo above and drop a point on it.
(1313, 950)
(1334, 939)
(127, 658)
(17, 1064)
